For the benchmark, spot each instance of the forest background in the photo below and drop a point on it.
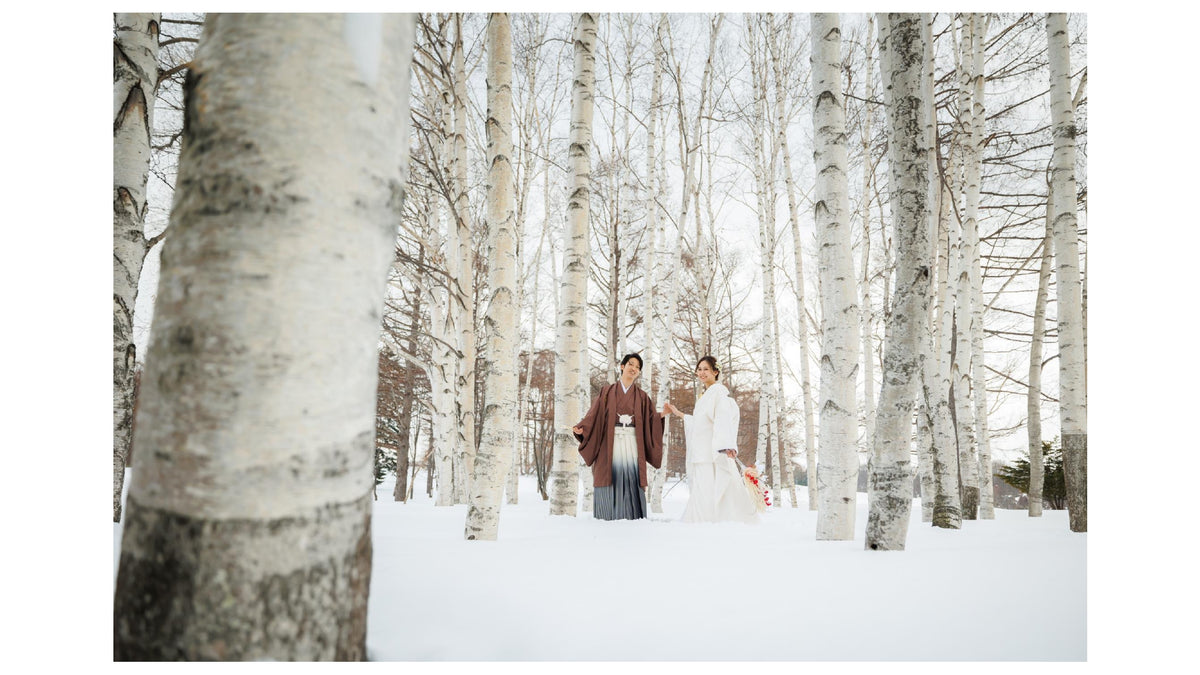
(1140, 295)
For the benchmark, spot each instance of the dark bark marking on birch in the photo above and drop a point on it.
(189, 587)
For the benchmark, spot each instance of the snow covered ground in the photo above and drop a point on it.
(578, 589)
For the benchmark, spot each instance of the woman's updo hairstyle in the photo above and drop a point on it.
(712, 363)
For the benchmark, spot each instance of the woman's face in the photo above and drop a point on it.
(705, 373)
(631, 370)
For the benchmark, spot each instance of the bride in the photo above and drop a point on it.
(718, 492)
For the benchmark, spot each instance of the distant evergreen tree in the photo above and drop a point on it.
(385, 464)
(1054, 489)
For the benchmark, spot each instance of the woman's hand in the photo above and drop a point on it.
(669, 409)
(731, 453)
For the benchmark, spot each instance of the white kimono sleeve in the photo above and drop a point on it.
(725, 425)
(694, 436)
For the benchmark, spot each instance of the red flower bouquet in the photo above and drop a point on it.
(759, 494)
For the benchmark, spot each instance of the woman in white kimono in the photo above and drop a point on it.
(718, 492)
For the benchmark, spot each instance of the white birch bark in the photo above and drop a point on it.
(890, 481)
(496, 439)
(1037, 470)
(777, 140)
(401, 488)
(968, 468)
(865, 313)
(688, 144)
(524, 168)
(611, 226)
(765, 145)
(585, 474)
(767, 385)
(948, 500)
(513, 480)
(1072, 359)
(135, 76)
(703, 254)
(464, 306)
(763, 439)
(763, 445)
(787, 472)
(837, 474)
(946, 511)
(443, 424)
(256, 428)
(924, 441)
(444, 319)
(927, 440)
(810, 445)
(570, 381)
(657, 476)
(972, 175)
(627, 239)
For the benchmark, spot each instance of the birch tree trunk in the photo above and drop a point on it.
(687, 145)
(248, 530)
(631, 239)
(444, 318)
(787, 473)
(585, 474)
(837, 475)
(496, 443)
(810, 444)
(763, 439)
(968, 468)
(513, 488)
(964, 412)
(868, 326)
(948, 501)
(525, 163)
(135, 75)
(702, 249)
(890, 482)
(758, 77)
(764, 173)
(978, 30)
(400, 490)
(947, 498)
(570, 379)
(927, 438)
(657, 476)
(464, 307)
(767, 388)
(1072, 359)
(777, 139)
(1037, 470)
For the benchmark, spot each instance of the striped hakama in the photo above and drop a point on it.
(624, 499)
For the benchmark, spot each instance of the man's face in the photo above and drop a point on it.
(631, 370)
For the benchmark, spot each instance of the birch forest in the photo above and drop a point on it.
(350, 248)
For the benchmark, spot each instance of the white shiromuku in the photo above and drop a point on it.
(718, 492)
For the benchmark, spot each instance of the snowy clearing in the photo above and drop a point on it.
(661, 590)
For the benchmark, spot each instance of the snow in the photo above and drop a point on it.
(663, 590)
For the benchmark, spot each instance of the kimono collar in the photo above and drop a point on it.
(717, 389)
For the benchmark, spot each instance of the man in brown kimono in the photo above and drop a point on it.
(620, 434)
